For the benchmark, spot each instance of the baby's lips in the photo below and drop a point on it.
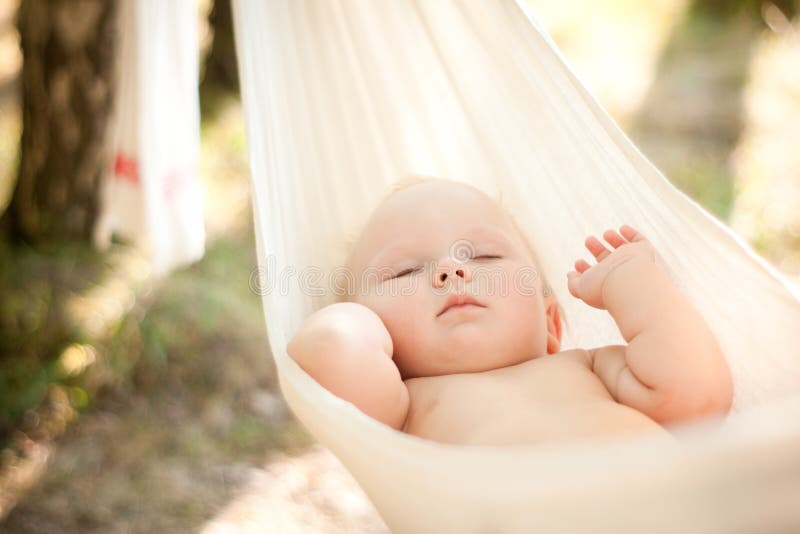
(457, 300)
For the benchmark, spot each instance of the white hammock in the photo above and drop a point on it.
(342, 99)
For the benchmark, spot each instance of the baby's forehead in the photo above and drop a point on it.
(431, 206)
(428, 200)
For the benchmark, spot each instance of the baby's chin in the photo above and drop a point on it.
(449, 363)
(470, 347)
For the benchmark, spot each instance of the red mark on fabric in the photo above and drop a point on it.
(126, 168)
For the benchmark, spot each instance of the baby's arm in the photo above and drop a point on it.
(672, 368)
(347, 349)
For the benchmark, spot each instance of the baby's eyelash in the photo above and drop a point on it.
(405, 272)
(413, 270)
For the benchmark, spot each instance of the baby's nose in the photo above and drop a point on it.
(455, 272)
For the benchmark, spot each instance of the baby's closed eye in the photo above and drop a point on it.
(405, 272)
(408, 270)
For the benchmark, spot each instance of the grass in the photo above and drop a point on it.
(35, 327)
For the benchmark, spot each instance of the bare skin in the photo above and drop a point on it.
(431, 346)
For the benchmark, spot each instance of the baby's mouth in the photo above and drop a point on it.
(457, 301)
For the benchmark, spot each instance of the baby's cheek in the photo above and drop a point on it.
(400, 320)
(526, 317)
(405, 331)
(409, 344)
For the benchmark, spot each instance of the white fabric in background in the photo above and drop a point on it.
(152, 193)
(342, 98)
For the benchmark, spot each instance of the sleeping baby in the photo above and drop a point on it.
(452, 334)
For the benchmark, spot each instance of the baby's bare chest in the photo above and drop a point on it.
(548, 398)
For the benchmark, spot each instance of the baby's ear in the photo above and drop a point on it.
(554, 327)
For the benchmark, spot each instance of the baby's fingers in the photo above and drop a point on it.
(613, 238)
(581, 265)
(630, 233)
(572, 283)
(598, 250)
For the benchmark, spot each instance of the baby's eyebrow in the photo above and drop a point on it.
(405, 250)
(482, 232)
(389, 254)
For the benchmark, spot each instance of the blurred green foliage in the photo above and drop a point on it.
(723, 9)
(179, 335)
(709, 185)
(34, 327)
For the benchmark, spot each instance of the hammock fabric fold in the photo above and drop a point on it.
(343, 98)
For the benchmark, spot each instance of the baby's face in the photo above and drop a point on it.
(438, 243)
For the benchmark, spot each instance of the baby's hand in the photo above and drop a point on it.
(587, 282)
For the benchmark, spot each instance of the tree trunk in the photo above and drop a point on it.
(67, 49)
(220, 68)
